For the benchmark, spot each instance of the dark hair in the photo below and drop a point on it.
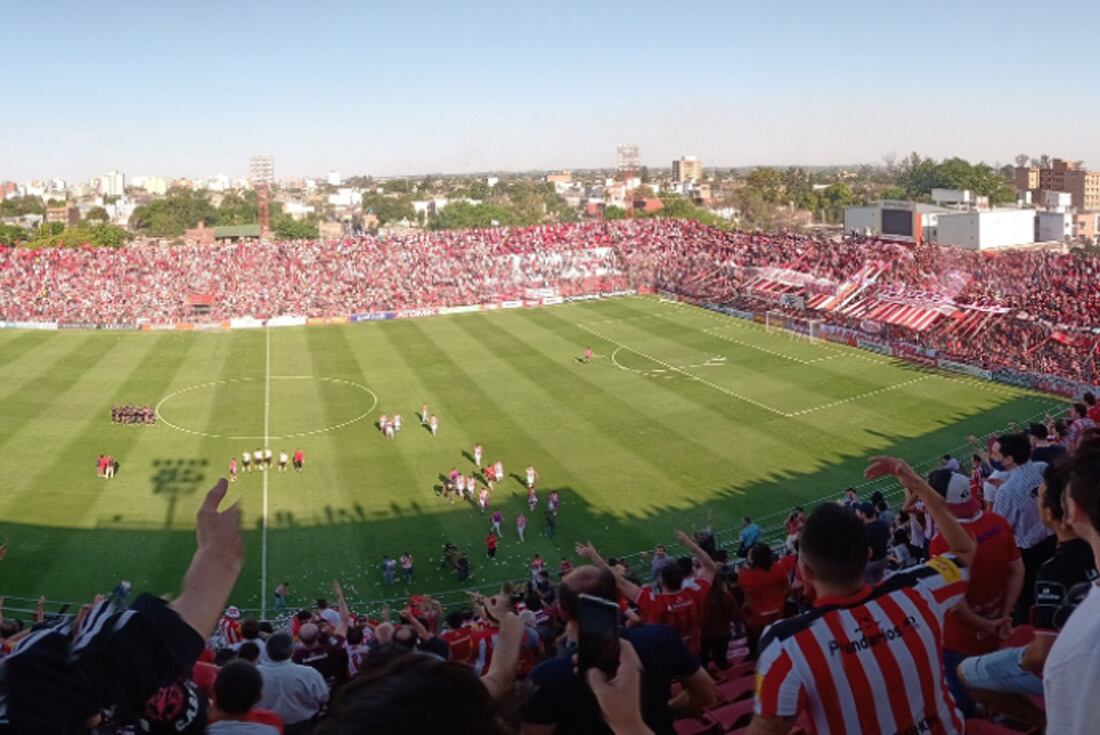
(238, 687)
(322, 603)
(760, 555)
(901, 536)
(1081, 409)
(587, 580)
(940, 480)
(250, 628)
(455, 619)
(881, 506)
(304, 616)
(876, 498)
(686, 566)
(947, 456)
(1015, 446)
(355, 635)
(1039, 431)
(390, 701)
(834, 544)
(747, 519)
(1089, 398)
(1083, 481)
(280, 646)
(672, 577)
(249, 651)
(1054, 476)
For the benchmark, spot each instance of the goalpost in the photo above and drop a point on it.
(775, 320)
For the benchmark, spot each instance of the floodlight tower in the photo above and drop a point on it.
(263, 208)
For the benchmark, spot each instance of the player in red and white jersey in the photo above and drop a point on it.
(865, 659)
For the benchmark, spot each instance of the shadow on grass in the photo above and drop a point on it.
(310, 548)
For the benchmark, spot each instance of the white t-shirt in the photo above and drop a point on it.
(1071, 676)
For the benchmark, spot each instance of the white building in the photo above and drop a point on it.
(221, 182)
(156, 185)
(335, 179)
(1054, 226)
(346, 197)
(985, 230)
(113, 184)
(298, 210)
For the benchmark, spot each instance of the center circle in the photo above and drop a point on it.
(294, 406)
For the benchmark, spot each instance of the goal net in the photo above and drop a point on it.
(795, 326)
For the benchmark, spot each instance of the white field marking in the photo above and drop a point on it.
(861, 396)
(685, 373)
(842, 352)
(323, 430)
(268, 471)
(765, 350)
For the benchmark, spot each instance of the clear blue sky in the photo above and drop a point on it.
(192, 88)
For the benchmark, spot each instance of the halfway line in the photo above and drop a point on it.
(267, 471)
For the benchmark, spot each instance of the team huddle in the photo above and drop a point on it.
(261, 459)
(129, 414)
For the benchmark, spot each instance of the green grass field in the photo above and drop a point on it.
(683, 413)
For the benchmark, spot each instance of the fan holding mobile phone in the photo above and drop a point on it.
(598, 635)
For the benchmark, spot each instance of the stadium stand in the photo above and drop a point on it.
(1019, 312)
(837, 654)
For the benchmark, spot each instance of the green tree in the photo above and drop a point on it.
(180, 210)
(19, 206)
(96, 235)
(461, 215)
(287, 228)
(96, 214)
(612, 213)
(12, 234)
(389, 209)
(768, 182)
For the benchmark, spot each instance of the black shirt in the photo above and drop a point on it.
(1047, 454)
(878, 538)
(1061, 583)
(563, 699)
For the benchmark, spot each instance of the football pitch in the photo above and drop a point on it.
(682, 413)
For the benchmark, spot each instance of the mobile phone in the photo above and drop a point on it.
(598, 646)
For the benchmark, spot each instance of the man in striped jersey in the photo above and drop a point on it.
(865, 659)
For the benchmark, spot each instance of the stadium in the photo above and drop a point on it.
(631, 378)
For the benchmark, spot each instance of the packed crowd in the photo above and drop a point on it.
(972, 600)
(131, 414)
(1042, 305)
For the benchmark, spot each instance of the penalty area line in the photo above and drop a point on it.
(686, 374)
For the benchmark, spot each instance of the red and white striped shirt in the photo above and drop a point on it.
(869, 663)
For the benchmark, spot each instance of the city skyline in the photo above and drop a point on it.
(186, 91)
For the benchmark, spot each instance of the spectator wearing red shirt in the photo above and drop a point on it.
(984, 617)
(865, 659)
(459, 637)
(490, 546)
(766, 584)
(1093, 407)
(674, 604)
